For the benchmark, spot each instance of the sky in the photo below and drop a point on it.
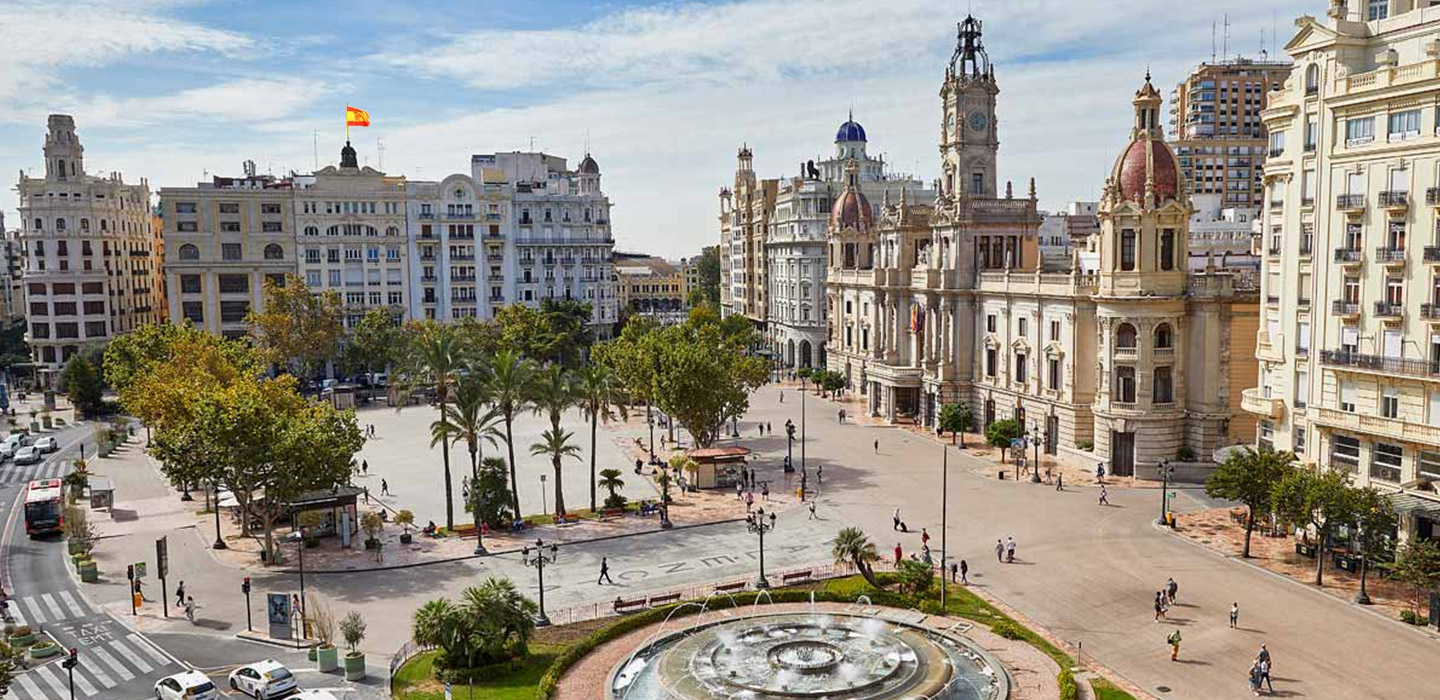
(661, 93)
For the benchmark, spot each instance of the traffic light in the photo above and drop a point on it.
(245, 586)
(71, 660)
(130, 572)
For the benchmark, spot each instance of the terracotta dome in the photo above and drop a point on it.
(851, 210)
(1143, 157)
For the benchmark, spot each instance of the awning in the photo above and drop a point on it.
(1411, 504)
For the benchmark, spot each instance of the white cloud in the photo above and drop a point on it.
(247, 100)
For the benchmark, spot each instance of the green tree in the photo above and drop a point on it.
(916, 577)
(492, 499)
(470, 419)
(709, 264)
(1316, 499)
(508, 385)
(555, 444)
(434, 361)
(1417, 565)
(371, 347)
(1372, 520)
(1001, 432)
(610, 480)
(601, 397)
(1249, 476)
(82, 385)
(557, 332)
(950, 422)
(705, 378)
(491, 623)
(852, 546)
(299, 329)
(635, 359)
(11, 664)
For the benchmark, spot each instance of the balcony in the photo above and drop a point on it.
(1432, 196)
(1349, 256)
(1395, 199)
(1272, 300)
(495, 257)
(1344, 308)
(1277, 152)
(1432, 254)
(1385, 309)
(1393, 428)
(426, 215)
(1270, 348)
(1350, 202)
(1380, 364)
(1274, 251)
(462, 256)
(1307, 201)
(462, 278)
(1390, 257)
(1430, 312)
(1306, 247)
(1253, 401)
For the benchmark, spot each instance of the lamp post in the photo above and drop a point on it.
(757, 524)
(789, 445)
(219, 543)
(1165, 471)
(734, 426)
(543, 507)
(1036, 437)
(537, 557)
(944, 512)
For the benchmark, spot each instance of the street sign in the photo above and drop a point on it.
(162, 557)
(139, 569)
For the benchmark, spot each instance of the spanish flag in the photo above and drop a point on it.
(356, 117)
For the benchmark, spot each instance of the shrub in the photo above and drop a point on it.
(931, 607)
(1001, 432)
(1068, 689)
(916, 577)
(1085, 444)
(1007, 629)
(1185, 454)
(1412, 618)
(352, 628)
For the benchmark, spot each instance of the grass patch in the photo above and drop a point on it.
(416, 679)
(1105, 690)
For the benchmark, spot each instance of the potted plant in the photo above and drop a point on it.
(326, 656)
(352, 627)
(373, 526)
(23, 636)
(34, 424)
(44, 649)
(406, 520)
(46, 420)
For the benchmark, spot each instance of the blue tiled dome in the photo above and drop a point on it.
(850, 131)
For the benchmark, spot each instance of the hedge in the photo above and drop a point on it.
(1068, 689)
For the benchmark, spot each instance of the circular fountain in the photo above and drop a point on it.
(806, 655)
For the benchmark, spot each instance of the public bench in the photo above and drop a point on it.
(730, 587)
(612, 513)
(663, 599)
(795, 577)
(622, 605)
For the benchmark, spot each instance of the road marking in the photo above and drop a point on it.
(34, 610)
(160, 659)
(45, 674)
(100, 675)
(29, 686)
(75, 608)
(83, 683)
(110, 661)
(15, 613)
(52, 606)
(131, 656)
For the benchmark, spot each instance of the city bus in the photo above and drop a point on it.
(44, 510)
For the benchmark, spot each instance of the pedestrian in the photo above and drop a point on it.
(769, 428)
(1255, 678)
(740, 490)
(604, 572)
(1174, 641)
(1265, 676)
(749, 500)
(180, 594)
(819, 473)
(1159, 607)
(877, 447)
(895, 518)
(782, 396)
(190, 609)
(1264, 654)
(812, 510)
(1010, 550)
(384, 488)
(925, 555)
(899, 555)
(364, 466)
(1172, 588)
(752, 474)
(1100, 472)
(999, 551)
(765, 491)
(1104, 496)
(1060, 481)
(367, 495)
(924, 536)
(760, 429)
(1234, 615)
(954, 572)
(964, 572)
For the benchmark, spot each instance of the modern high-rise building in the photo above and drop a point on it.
(90, 272)
(1349, 348)
(1216, 129)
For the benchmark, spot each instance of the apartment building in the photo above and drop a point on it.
(1216, 129)
(1349, 348)
(89, 250)
(353, 236)
(12, 266)
(649, 285)
(460, 229)
(745, 212)
(223, 240)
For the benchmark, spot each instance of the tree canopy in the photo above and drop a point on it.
(299, 329)
(82, 385)
(1249, 476)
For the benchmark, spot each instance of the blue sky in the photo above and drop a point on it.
(663, 92)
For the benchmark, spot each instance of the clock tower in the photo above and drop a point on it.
(968, 134)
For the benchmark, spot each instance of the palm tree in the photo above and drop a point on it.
(556, 444)
(509, 387)
(552, 393)
(601, 397)
(854, 547)
(470, 420)
(436, 364)
(610, 480)
(506, 616)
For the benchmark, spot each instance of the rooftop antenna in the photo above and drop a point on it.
(532, 144)
(315, 146)
(1264, 52)
(380, 149)
(1212, 41)
(1225, 45)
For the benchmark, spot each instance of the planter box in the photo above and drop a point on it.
(1305, 550)
(89, 572)
(47, 422)
(354, 667)
(406, 538)
(327, 660)
(312, 653)
(22, 640)
(73, 547)
(41, 651)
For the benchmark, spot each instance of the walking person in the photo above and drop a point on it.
(1174, 641)
(1010, 550)
(765, 491)
(1255, 678)
(739, 490)
(1172, 588)
(180, 594)
(899, 555)
(367, 495)
(365, 466)
(999, 551)
(769, 428)
(924, 536)
(1104, 496)
(1060, 481)
(954, 572)
(895, 518)
(384, 488)
(782, 396)
(819, 473)
(964, 572)
(877, 447)
(1265, 675)
(190, 609)
(604, 572)
(1100, 472)
(1234, 615)
(812, 510)
(749, 500)
(1159, 607)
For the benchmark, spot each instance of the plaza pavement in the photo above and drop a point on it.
(1085, 572)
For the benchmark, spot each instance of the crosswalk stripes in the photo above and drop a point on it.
(83, 684)
(75, 608)
(111, 661)
(101, 676)
(28, 689)
(45, 674)
(52, 606)
(36, 615)
(149, 649)
(129, 655)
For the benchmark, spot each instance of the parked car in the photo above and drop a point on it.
(28, 455)
(19, 440)
(46, 445)
(187, 685)
(263, 680)
(6, 451)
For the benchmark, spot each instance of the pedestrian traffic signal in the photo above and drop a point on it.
(72, 660)
(245, 586)
(130, 572)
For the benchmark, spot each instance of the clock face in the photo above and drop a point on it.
(978, 121)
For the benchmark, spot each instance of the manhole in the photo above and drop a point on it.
(1162, 688)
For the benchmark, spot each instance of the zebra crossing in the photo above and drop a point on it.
(102, 666)
(17, 474)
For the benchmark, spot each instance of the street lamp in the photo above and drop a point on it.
(536, 557)
(219, 543)
(756, 523)
(944, 512)
(1165, 471)
(1036, 437)
(734, 426)
(543, 507)
(789, 445)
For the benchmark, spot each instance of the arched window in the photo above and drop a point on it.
(104, 224)
(274, 252)
(312, 230)
(1164, 337)
(59, 224)
(1312, 79)
(1125, 337)
(84, 224)
(189, 252)
(392, 231)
